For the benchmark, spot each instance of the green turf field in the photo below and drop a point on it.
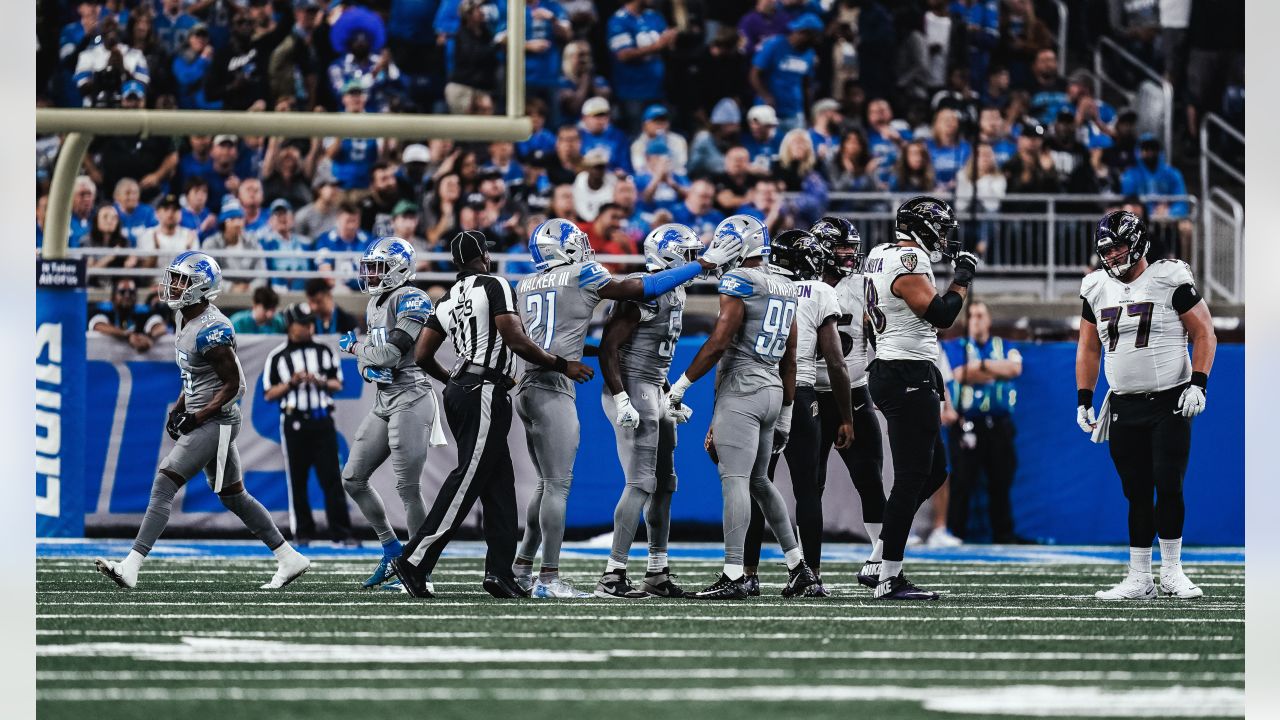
(197, 639)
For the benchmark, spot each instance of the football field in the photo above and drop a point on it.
(1017, 633)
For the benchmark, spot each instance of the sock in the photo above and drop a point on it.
(392, 548)
(132, 561)
(1140, 560)
(890, 569)
(877, 551)
(657, 562)
(873, 531)
(614, 565)
(370, 504)
(283, 551)
(794, 557)
(546, 575)
(522, 569)
(255, 517)
(1170, 554)
(163, 490)
(733, 571)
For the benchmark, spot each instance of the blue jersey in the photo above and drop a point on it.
(887, 150)
(133, 224)
(824, 146)
(172, 32)
(703, 224)
(331, 242)
(353, 165)
(640, 79)
(764, 152)
(542, 140)
(666, 197)
(1003, 150)
(947, 161)
(994, 399)
(612, 140)
(785, 70)
(80, 228)
(541, 70)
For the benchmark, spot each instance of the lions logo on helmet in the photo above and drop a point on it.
(558, 242)
(193, 276)
(386, 265)
(670, 245)
(752, 232)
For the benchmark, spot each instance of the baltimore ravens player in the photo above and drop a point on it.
(863, 458)
(204, 423)
(1144, 313)
(635, 354)
(556, 304)
(905, 312)
(798, 256)
(403, 420)
(755, 388)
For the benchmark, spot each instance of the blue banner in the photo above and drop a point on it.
(60, 411)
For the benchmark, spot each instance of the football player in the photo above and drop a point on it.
(755, 388)
(403, 420)
(864, 458)
(905, 312)
(800, 257)
(204, 423)
(556, 304)
(635, 354)
(1144, 314)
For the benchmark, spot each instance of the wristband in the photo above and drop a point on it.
(561, 365)
(621, 398)
(1084, 398)
(677, 390)
(1200, 380)
(784, 417)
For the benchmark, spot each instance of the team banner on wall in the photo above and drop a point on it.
(60, 400)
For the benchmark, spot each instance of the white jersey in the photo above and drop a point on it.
(816, 304)
(849, 293)
(900, 333)
(1141, 332)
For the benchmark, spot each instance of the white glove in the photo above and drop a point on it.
(627, 415)
(723, 250)
(679, 412)
(1191, 403)
(782, 429)
(676, 396)
(1085, 418)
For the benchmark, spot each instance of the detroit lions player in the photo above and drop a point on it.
(403, 421)
(204, 423)
(556, 304)
(755, 386)
(635, 353)
(1144, 313)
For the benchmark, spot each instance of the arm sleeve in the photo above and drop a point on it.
(660, 283)
(1185, 297)
(1086, 312)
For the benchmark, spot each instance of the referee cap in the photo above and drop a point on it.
(299, 313)
(468, 245)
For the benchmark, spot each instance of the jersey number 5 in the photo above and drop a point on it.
(1111, 316)
(534, 304)
(775, 328)
(668, 345)
(872, 297)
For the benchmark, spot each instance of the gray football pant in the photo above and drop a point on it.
(647, 456)
(404, 437)
(743, 430)
(551, 430)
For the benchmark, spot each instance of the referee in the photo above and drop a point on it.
(479, 314)
(301, 375)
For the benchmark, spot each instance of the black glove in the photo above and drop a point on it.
(966, 265)
(181, 424)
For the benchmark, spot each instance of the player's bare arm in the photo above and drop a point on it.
(514, 337)
(223, 361)
(787, 367)
(621, 324)
(833, 355)
(1088, 360)
(424, 354)
(1199, 325)
(732, 311)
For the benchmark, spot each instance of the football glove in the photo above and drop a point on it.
(676, 396)
(966, 264)
(379, 375)
(627, 415)
(782, 429)
(1085, 418)
(180, 424)
(347, 342)
(680, 413)
(1191, 403)
(723, 250)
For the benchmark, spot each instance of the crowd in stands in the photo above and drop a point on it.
(643, 113)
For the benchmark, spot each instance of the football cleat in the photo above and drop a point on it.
(504, 588)
(1175, 582)
(662, 584)
(942, 537)
(381, 574)
(869, 575)
(393, 586)
(900, 588)
(817, 590)
(615, 586)
(1135, 586)
(558, 589)
(117, 573)
(413, 583)
(722, 589)
(751, 583)
(799, 579)
(290, 568)
(524, 577)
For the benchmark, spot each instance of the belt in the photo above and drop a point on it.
(1149, 395)
(488, 374)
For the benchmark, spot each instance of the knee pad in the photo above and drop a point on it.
(353, 484)
(557, 486)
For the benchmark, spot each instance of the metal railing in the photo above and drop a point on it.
(1063, 19)
(1103, 80)
(1224, 247)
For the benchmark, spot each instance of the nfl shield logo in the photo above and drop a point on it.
(909, 262)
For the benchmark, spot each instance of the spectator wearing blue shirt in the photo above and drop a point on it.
(765, 205)
(983, 25)
(172, 26)
(596, 131)
(502, 158)
(947, 152)
(353, 158)
(346, 236)
(221, 171)
(661, 187)
(195, 208)
(637, 37)
(698, 210)
(190, 67)
(542, 139)
(251, 198)
(135, 217)
(885, 139)
(378, 76)
(762, 139)
(657, 126)
(280, 236)
(782, 68)
(71, 41)
(578, 81)
(83, 195)
(992, 131)
(546, 30)
(825, 131)
(1048, 89)
(1152, 175)
(409, 33)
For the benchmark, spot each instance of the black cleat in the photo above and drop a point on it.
(752, 585)
(722, 589)
(503, 587)
(413, 583)
(798, 580)
(662, 584)
(900, 588)
(817, 590)
(614, 585)
(869, 575)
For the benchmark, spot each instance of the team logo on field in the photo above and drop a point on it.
(909, 262)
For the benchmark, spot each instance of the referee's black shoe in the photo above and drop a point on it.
(410, 580)
(900, 588)
(798, 579)
(503, 587)
(722, 589)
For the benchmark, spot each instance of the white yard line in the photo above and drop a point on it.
(401, 618)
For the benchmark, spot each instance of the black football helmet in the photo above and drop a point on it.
(798, 255)
(930, 222)
(1121, 227)
(843, 243)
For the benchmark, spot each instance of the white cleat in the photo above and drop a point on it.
(1176, 583)
(942, 538)
(557, 589)
(1135, 586)
(524, 579)
(118, 573)
(289, 569)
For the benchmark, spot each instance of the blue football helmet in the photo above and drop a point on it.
(671, 245)
(386, 265)
(558, 242)
(755, 238)
(192, 277)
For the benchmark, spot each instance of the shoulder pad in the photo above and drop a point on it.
(736, 284)
(1091, 282)
(214, 334)
(592, 276)
(413, 304)
(1173, 272)
(909, 260)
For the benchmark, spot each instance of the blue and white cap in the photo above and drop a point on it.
(192, 277)
(386, 265)
(558, 242)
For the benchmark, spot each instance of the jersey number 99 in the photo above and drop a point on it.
(775, 328)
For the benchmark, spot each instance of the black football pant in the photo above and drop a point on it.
(864, 458)
(801, 453)
(909, 393)
(1150, 444)
(994, 454)
(479, 415)
(313, 443)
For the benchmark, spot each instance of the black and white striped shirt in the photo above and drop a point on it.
(468, 314)
(305, 400)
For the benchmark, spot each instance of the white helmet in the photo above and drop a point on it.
(191, 277)
(558, 242)
(386, 265)
(671, 245)
(755, 238)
